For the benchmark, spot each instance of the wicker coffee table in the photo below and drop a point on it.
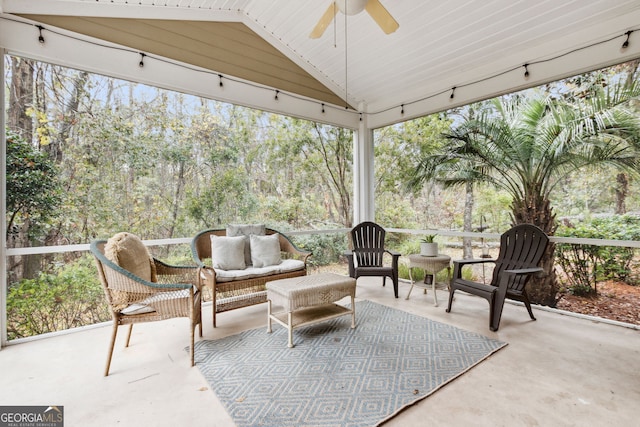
(309, 299)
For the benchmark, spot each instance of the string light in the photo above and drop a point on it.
(220, 79)
(626, 42)
(625, 45)
(40, 37)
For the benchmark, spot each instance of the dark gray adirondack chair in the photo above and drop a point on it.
(367, 255)
(521, 249)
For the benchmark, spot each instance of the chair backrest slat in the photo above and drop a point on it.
(367, 239)
(520, 247)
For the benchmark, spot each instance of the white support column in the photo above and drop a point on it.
(363, 174)
(3, 210)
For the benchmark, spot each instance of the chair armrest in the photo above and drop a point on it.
(298, 253)
(472, 261)
(352, 268)
(287, 246)
(118, 276)
(459, 263)
(176, 274)
(525, 270)
(395, 257)
(304, 255)
(208, 275)
(509, 274)
(393, 253)
(123, 281)
(199, 262)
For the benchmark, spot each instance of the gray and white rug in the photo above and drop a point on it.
(335, 375)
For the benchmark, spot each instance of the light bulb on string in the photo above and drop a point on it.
(40, 36)
(626, 42)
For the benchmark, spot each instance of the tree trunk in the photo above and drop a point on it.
(20, 99)
(622, 190)
(537, 210)
(177, 197)
(56, 148)
(467, 251)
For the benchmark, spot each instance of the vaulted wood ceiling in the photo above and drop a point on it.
(229, 48)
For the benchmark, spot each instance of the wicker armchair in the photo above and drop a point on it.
(169, 291)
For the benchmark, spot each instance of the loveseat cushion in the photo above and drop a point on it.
(147, 305)
(127, 251)
(246, 230)
(285, 266)
(265, 250)
(227, 253)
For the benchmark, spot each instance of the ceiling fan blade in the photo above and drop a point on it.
(382, 17)
(324, 21)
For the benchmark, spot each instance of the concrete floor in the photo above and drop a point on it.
(557, 371)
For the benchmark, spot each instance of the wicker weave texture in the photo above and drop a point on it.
(308, 291)
(176, 293)
(244, 292)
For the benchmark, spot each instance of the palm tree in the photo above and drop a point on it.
(526, 145)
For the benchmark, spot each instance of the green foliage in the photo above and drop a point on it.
(394, 210)
(326, 248)
(585, 265)
(399, 148)
(428, 238)
(222, 201)
(403, 272)
(162, 164)
(526, 144)
(295, 211)
(33, 187)
(70, 297)
(418, 274)
(492, 208)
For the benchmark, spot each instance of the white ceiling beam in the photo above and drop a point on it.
(118, 10)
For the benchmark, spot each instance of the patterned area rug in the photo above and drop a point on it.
(335, 375)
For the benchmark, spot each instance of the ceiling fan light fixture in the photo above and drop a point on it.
(351, 7)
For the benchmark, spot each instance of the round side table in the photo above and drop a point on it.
(431, 265)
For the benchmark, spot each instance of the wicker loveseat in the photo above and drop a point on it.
(237, 288)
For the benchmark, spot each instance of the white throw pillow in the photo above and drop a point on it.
(246, 230)
(265, 250)
(227, 253)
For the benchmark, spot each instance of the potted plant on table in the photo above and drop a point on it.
(428, 247)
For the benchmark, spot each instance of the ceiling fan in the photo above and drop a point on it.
(352, 7)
